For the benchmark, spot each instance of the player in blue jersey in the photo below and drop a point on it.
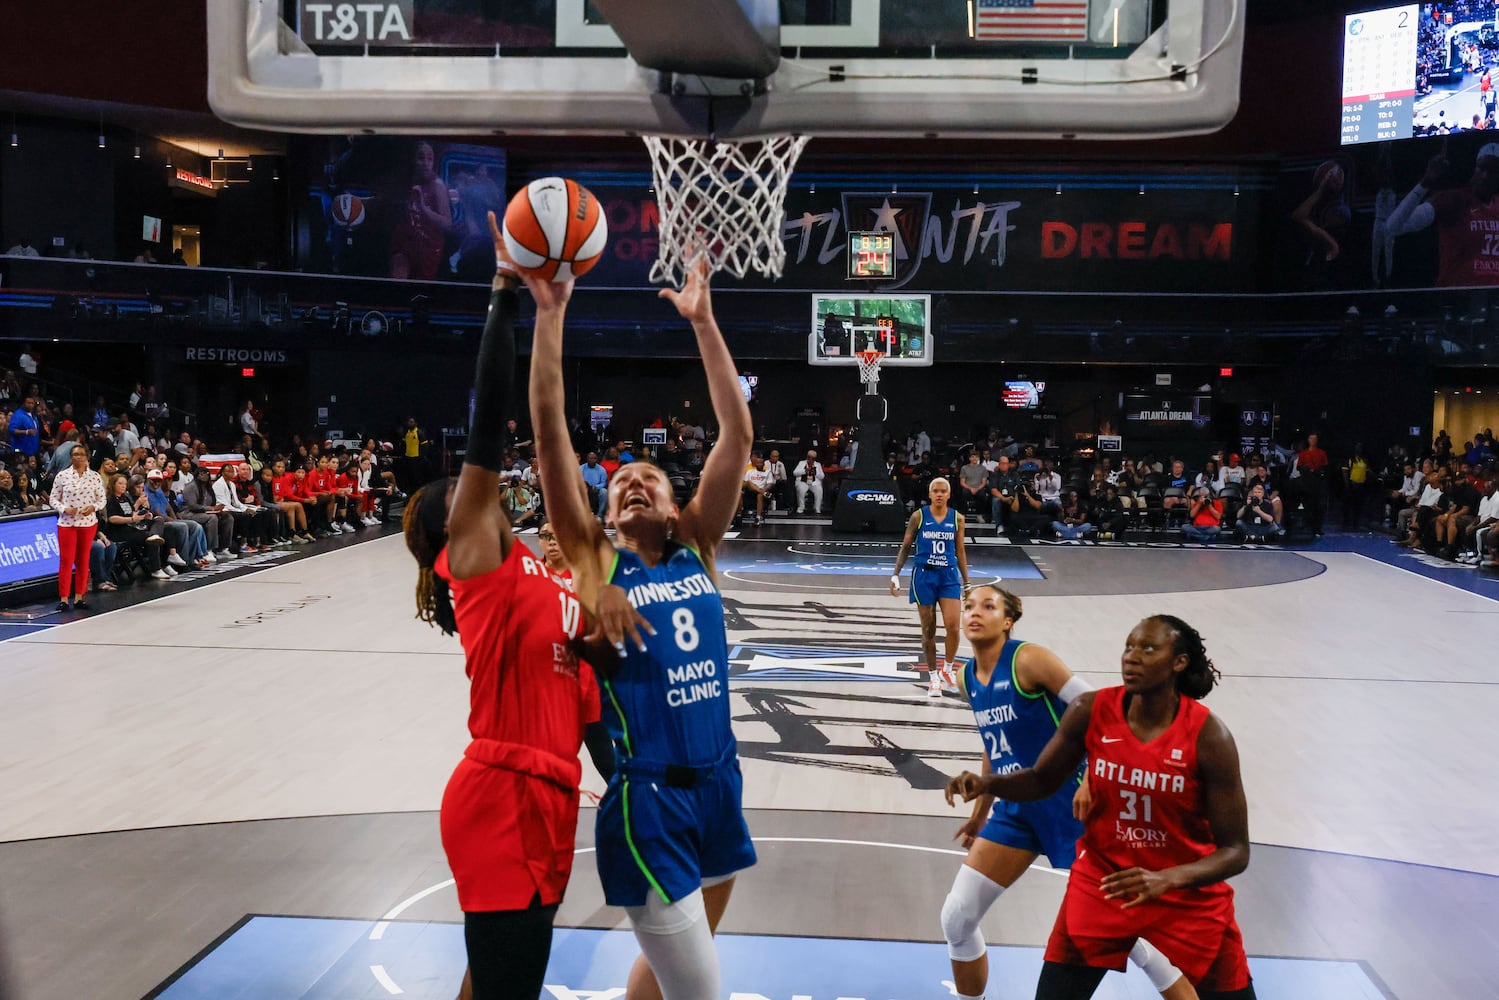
(671, 833)
(1018, 691)
(938, 576)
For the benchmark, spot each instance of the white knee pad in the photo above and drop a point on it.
(676, 941)
(1163, 975)
(969, 899)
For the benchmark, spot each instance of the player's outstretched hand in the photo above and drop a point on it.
(969, 831)
(617, 619)
(966, 786)
(694, 301)
(1436, 169)
(1082, 800)
(1139, 884)
(549, 295)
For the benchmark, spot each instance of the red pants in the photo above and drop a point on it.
(73, 546)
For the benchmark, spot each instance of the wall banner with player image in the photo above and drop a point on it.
(385, 206)
(1355, 219)
(1183, 233)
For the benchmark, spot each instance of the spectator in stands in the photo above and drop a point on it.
(1108, 513)
(25, 429)
(1211, 476)
(1434, 501)
(101, 562)
(187, 542)
(1048, 487)
(130, 525)
(249, 527)
(153, 409)
(1204, 517)
(1311, 463)
(1074, 522)
(757, 487)
(200, 505)
(973, 482)
(1180, 479)
(1258, 518)
(808, 476)
(1233, 472)
(1029, 465)
(918, 443)
(24, 249)
(1451, 526)
(62, 455)
(1484, 519)
(780, 480)
(247, 422)
(126, 439)
(596, 477)
(10, 500)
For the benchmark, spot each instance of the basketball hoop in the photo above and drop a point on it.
(723, 201)
(869, 370)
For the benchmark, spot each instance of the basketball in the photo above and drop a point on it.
(554, 229)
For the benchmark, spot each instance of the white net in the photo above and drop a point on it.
(869, 367)
(723, 201)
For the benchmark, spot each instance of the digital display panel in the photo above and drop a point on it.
(898, 326)
(1023, 395)
(871, 255)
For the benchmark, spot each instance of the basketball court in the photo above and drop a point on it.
(229, 790)
(246, 805)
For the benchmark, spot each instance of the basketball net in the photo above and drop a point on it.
(723, 201)
(869, 370)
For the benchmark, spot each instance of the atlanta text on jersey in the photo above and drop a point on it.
(1137, 777)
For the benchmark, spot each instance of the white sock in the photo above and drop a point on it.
(965, 996)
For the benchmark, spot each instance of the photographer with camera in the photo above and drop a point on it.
(1204, 517)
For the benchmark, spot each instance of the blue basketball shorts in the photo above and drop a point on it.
(929, 585)
(1046, 827)
(654, 837)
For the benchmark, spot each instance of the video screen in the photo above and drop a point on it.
(1419, 69)
(898, 326)
(1023, 395)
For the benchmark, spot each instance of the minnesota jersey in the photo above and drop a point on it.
(1147, 799)
(671, 703)
(936, 541)
(1014, 724)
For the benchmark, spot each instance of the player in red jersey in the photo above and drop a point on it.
(1167, 826)
(510, 809)
(1467, 219)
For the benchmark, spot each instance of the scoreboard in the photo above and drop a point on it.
(1379, 74)
(871, 255)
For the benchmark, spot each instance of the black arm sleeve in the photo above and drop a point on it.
(600, 748)
(494, 383)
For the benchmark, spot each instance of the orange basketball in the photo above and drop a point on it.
(555, 229)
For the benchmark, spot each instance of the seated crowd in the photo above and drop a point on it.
(170, 504)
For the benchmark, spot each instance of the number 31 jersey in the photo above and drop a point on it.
(1147, 798)
(670, 704)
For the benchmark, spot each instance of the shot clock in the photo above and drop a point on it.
(871, 255)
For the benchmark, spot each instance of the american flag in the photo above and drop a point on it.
(1031, 20)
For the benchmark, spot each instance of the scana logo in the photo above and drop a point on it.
(871, 496)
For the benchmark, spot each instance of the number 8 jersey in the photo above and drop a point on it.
(671, 704)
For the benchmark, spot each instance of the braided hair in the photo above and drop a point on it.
(424, 523)
(1200, 676)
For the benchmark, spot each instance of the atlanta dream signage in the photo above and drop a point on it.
(1025, 239)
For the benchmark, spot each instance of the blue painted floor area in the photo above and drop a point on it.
(295, 958)
(12, 630)
(1483, 582)
(865, 559)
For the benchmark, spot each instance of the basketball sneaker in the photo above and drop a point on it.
(934, 682)
(950, 678)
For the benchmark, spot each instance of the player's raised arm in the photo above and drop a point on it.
(1058, 762)
(476, 523)
(711, 510)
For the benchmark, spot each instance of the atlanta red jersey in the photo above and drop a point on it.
(510, 810)
(516, 623)
(1147, 813)
(1467, 239)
